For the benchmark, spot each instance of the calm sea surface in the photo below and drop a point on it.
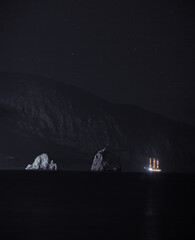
(73, 205)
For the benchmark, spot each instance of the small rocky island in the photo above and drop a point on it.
(106, 159)
(42, 163)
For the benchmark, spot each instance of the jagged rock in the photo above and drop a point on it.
(42, 163)
(106, 159)
(35, 112)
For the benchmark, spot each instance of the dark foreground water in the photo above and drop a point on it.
(73, 205)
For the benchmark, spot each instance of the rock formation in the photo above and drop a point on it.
(42, 163)
(106, 159)
(71, 124)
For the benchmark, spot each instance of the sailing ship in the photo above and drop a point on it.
(153, 165)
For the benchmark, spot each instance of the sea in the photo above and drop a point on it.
(91, 205)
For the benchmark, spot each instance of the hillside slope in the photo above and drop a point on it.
(40, 115)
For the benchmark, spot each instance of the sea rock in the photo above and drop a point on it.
(106, 159)
(42, 163)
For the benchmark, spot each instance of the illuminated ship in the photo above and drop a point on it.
(153, 167)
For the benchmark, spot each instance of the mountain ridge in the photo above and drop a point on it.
(67, 117)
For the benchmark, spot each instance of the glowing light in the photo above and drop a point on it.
(157, 166)
(154, 161)
(150, 162)
(154, 170)
(153, 167)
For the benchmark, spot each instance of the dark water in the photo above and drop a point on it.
(73, 205)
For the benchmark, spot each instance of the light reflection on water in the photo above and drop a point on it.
(151, 220)
(85, 206)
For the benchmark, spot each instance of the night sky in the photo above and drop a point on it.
(134, 52)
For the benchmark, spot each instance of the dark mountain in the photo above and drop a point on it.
(39, 115)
